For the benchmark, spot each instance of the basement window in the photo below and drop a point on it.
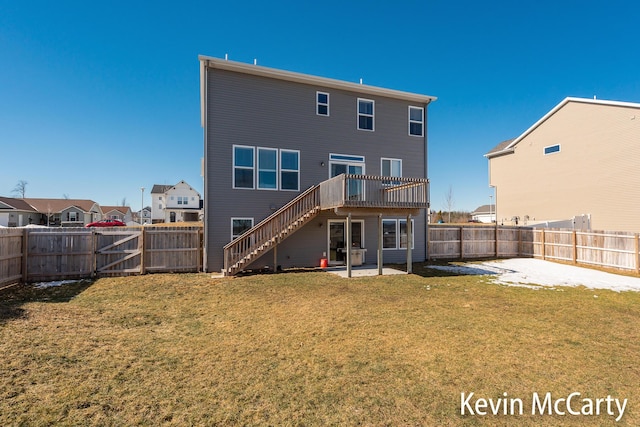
(552, 149)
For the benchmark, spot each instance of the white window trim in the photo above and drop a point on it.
(398, 237)
(544, 150)
(390, 159)
(415, 121)
(233, 167)
(318, 104)
(239, 218)
(277, 170)
(347, 162)
(281, 169)
(372, 115)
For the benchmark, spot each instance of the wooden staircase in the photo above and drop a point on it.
(267, 234)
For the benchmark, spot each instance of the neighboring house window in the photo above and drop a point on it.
(394, 233)
(390, 167)
(239, 226)
(72, 216)
(322, 103)
(290, 170)
(552, 149)
(160, 206)
(243, 167)
(416, 121)
(183, 200)
(365, 114)
(267, 168)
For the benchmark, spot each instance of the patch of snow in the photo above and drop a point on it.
(45, 285)
(536, 273)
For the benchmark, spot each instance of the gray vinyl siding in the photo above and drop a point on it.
(257, 111)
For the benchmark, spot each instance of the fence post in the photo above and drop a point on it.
(461, 243)
(25, 254)
(542, 241)
(141, 248)
(637, 253)
(574, 242)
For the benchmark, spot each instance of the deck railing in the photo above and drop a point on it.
(366, 191)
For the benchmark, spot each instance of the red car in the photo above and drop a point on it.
(106, 223)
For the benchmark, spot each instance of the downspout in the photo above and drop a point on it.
(204, 74)
(426, 176)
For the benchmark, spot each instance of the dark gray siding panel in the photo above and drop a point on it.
(262, 112)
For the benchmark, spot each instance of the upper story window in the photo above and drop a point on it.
(267, 168)
(552, 149)
(243, 167)
(322, 103)
(290, 170)
(366, 111)
(416, 121)
(183, 200)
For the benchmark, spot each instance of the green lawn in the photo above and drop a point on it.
(310, 349)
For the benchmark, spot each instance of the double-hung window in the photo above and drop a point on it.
(390, 167)
(366, 111)
(416, 121)
(322, 103)
(243, 167)
(239, 226)
(267, 168)
(290, 170)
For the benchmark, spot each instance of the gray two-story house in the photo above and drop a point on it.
(299, 168)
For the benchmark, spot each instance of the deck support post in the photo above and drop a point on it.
(380, 237)
(409, 242)
(349, 244)
(275, 257)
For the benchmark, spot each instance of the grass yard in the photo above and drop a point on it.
(310, 349)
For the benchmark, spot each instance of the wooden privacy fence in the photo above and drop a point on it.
(600, 248)
(38, 254)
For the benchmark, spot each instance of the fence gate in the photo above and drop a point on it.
(118, 252)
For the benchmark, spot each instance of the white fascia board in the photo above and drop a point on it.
(273, 73)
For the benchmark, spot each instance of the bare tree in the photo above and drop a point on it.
(449, 201)
(20, 188)
(124, 201)
(65, 196)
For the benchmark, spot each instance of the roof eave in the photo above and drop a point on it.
(258, 70)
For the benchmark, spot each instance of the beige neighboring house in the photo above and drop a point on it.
(121, 213)
(576, 167)
(66, 212)
(485, 214)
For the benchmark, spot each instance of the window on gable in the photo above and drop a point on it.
(416, 121)
(239, 226)
(290, 170)
(243, 167)
(322, 103)
(365, 114)
(552, 149)
(267, 168)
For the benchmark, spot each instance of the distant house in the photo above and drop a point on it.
(121, 213)
(577, 165)
(485, 213)
(146, 216)
(66, 212)
(175, 203)
(17, 213)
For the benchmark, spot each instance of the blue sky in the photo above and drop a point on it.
(98, 99)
